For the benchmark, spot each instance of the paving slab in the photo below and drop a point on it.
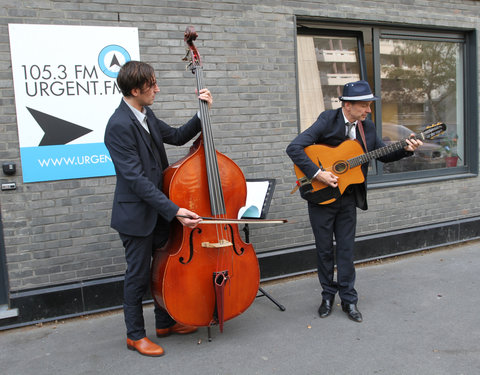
(421, 316)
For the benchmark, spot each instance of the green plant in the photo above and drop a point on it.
(449, 145)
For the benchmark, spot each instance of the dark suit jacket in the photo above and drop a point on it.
(138, 198)
(329, 129)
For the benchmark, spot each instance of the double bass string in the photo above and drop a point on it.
(216, 194)
(219, 204)
(207, 144)
(217, 201)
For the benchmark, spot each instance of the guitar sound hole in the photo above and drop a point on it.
(340, 167)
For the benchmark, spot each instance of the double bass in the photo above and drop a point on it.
(205, 275)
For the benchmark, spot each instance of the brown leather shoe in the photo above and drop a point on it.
(176, 328)
(145, 347)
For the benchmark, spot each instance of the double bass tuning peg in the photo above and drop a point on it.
(188, 58)
(187, 55)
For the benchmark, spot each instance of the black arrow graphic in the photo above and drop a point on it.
(57, 131)
(114, 61)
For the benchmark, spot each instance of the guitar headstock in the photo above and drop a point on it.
(434, 130)
(192, 55)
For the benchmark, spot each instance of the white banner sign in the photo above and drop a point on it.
(65, 92)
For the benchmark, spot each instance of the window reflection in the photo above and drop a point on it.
(422, 84)
(325, 65)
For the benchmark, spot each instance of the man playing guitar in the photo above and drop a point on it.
(337, 217)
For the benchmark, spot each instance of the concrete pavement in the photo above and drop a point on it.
(421, 316)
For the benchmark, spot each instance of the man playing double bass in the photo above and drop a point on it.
(339, 217)
(141, 212)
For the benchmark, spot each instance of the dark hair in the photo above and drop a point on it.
(135, 75)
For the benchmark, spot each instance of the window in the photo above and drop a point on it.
(422, 83)
(325, 64)
(419, 75)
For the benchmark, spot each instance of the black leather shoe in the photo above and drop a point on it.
(352, 312)
(325, 308)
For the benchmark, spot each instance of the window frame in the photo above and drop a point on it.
(376, 178)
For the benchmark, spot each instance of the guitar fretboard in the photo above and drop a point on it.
(429, 133)
(375, 154)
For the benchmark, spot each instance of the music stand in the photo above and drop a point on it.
(259, 197)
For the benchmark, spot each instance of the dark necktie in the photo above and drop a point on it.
(350, 125)
(154, 145)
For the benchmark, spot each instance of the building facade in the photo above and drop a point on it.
(272, 67)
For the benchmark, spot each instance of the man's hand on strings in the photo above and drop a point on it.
(327, 178)
(206, 96)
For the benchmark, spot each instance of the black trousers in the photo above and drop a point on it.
(335, 220)
(138, 255)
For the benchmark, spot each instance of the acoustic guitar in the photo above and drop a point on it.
(345, 162)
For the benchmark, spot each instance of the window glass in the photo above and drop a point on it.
(422, 84)
(325, 65)
(419, 75)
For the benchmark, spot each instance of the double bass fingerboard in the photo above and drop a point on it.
(217, 201)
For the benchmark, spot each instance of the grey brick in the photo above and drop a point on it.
(249, 64)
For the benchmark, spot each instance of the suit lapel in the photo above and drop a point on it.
(157, 139)
(340, 125)
(134, 120)
(163, 162)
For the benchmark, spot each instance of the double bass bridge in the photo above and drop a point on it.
(217, 245)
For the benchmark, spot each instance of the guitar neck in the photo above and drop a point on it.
(378, 153)
(430, 132)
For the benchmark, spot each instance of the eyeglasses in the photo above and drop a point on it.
(153, 84)
(150, 85)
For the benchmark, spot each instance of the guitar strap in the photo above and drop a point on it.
(319, 196)
(362, 134)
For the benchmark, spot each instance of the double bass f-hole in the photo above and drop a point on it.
(233, 242)
(181, 259)
(205, 244)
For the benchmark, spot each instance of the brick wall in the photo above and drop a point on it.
(58, 232)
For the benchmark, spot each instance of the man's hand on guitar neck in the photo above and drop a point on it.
(413, 143)
(327, 178)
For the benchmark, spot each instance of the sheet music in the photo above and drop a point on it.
(256, 194)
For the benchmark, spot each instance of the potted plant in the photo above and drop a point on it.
(450, 147)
